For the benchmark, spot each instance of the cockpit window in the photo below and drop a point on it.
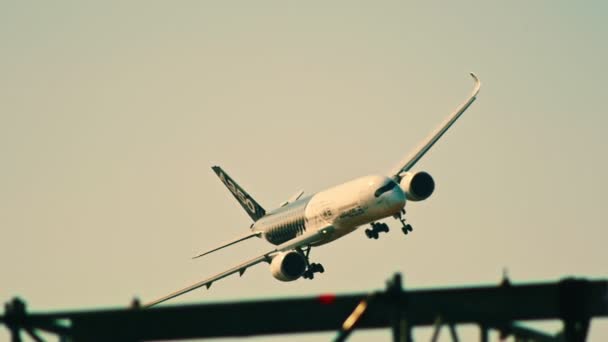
(386, 187)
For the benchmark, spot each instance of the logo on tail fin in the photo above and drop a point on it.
(249, 204)
(238, 193)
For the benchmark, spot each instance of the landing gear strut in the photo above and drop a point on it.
(313, 268)
(376, 229)
(407, 228)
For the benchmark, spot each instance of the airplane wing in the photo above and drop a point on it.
(207, 282)
(300, 241)
(411, 159)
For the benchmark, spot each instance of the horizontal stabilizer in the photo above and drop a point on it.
(293, 198)
(230, 243)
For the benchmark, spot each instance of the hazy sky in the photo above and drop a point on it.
(111, 115)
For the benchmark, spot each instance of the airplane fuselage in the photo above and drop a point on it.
(345, 207)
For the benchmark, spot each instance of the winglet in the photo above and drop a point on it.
(477, 84)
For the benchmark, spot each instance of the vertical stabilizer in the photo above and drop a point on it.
(247, 202)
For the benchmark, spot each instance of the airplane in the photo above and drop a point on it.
(301, 223)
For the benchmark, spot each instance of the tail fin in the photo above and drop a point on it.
(247, 202)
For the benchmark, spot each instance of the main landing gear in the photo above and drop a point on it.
(376, 229)
(313, 268)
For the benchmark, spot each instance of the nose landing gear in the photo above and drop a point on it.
(407, 228)
(376, 229)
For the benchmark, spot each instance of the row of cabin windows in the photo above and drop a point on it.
(288, 230)
(293, 216)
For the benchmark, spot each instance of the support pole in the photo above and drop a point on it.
(402, 329)
(576, 330)
(14, 312)
(33, 335)
(437, 329)
(483, 333)
(351, 322)
(454, 333)
(574, 309)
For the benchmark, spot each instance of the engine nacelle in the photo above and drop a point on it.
(417, 186)
(288, 266)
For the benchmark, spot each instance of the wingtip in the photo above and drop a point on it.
(477, 83)
(200, 255)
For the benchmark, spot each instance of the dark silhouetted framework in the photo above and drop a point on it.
(574, 301)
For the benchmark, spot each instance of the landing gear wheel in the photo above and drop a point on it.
(371, 234)
(407, 228)
(376, 229)
(382, 227)
(312, 269)
(317, 268)
(308, 275)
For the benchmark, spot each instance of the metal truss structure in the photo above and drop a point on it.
(573, 301)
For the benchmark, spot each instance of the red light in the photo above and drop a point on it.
(327, 299)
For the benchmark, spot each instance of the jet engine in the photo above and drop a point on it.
(288, 266)
(417, 186)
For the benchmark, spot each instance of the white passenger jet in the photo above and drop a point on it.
(302, 223)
